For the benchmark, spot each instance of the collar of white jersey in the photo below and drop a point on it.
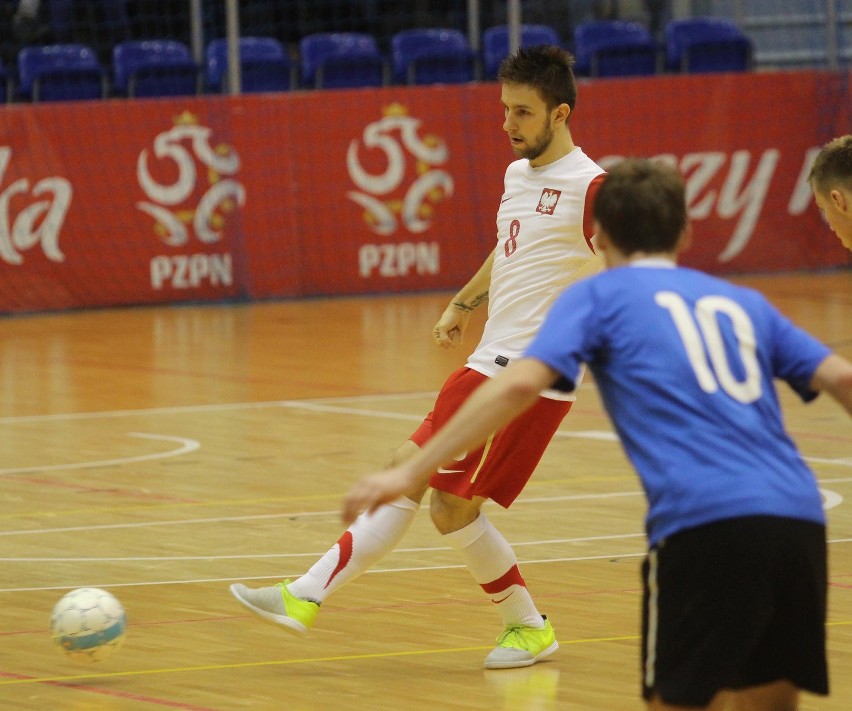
(654, 262)
(570, 156)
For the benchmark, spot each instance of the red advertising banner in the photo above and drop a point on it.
(374, 191)
(745, 144)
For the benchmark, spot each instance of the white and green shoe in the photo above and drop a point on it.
(275, 604)
(522, 646)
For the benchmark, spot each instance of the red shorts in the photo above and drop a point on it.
(500, 469)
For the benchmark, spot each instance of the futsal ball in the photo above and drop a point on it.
(89, 624)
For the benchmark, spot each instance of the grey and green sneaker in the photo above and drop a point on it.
(275, 604)
(521, 646)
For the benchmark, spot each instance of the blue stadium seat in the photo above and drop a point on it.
(706, 44)
(264, 65)
(432, 56)
(608, 48)
(495, 44)
(154, 68)
(332, 60)
(60, 72)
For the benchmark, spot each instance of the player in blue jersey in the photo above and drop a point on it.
(831, 181)
(735, 577)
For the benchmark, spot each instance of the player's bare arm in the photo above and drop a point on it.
(450, 328)
(834, 376)
(492, 406)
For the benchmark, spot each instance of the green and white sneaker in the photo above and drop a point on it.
(275, 604)
(521, 646)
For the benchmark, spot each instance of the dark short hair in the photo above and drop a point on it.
(547, 68)
(641, 205)
(832, 167)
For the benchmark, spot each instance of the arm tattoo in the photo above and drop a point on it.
(479, 299)
(476, 301)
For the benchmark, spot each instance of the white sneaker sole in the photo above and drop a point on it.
(509, 664)
(288, 623)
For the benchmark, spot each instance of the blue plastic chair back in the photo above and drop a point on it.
(154, 68)
(432, 56)
(706, 44)
(60, 72)
(341, 59)
(607, 48)
(495, 44)
(264, 65)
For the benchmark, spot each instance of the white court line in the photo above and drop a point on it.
(181, 409)
(187, 445)
(600, 435)
(832, 499)
(319, 405)
(260, 517)
(315, 405)
(410, 569)
(426, 549)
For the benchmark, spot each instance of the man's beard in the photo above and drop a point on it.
(539, 145)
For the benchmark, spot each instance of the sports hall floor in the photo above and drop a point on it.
(163, 453)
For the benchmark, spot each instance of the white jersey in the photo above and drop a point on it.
(541, 248)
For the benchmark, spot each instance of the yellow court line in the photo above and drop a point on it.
(309, 660)
(280, 662)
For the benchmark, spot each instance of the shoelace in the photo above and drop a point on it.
(509, 631)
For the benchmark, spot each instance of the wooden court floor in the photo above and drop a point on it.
(163, 453)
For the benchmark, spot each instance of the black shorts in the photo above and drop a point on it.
(733, 604)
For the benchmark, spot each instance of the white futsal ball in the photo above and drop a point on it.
(89, 624)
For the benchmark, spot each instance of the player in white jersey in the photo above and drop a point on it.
(544, 241)
(542, 246)
(735, 580)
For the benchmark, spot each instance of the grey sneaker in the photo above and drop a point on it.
(275, 604)
(521, 646)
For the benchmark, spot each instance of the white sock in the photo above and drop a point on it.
(367, 540)
(493, 564)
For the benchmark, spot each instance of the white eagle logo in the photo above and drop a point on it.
(547, 201)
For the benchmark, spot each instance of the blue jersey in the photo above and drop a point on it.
(685, 364)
